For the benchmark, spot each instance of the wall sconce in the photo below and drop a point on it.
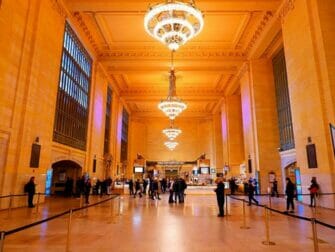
(35, 153)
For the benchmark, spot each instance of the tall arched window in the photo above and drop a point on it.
(72, 105)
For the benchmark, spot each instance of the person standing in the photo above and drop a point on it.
(251, 193)
(275, 188)
(313, 189)
(171, 191)
(87, 190)
(220, 196)
(290, 193)
(30, 189)
(145, 184)
(131, 187)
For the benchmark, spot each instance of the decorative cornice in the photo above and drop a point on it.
(59, 7)
(160, 91)
(147, 53)
(285, 8)
(265, 20)
(81, 23)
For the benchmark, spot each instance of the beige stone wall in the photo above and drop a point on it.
(29, 75)
(260, 124)
(233, 133)
(311, 87)
(197, 138)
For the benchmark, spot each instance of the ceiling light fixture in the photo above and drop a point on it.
(174, 22)
(171, 132)
(171, 145)
(172, 106)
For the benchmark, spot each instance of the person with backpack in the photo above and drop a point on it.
(313, 189)
(30, 189)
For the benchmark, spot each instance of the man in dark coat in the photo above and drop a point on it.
(290, 193)
(251, 193)
(220, 196)
(30, 189)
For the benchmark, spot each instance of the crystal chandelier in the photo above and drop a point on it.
(172, 106)
(171, 145)
(171, 132)
(173, 22)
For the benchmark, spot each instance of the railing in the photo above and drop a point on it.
(268, 210)
(70, 212)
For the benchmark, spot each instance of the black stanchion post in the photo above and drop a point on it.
(226, 205)
(69, 224)
(2, 241)
(315, 235)
(244, 218)
(10, 204)
(38, 202)
(267, 227)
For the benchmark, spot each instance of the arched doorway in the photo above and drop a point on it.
(293, 172)
(65, 173)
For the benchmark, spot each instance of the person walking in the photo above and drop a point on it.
(313, 189)
(138, 188)
(290, 193)
(145, 184)
(251, 193)
(220, 196)
(171, 191)
(30, 189)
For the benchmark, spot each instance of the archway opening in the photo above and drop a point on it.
(65, 174)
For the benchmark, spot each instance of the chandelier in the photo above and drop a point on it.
(172, 106)
(171, 145)
(171, 132)
(173, 22)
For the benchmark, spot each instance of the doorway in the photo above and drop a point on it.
(63, 178)
(293, 172)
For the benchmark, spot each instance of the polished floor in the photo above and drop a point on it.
(149, 225)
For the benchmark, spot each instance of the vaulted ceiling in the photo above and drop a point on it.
(206, 66)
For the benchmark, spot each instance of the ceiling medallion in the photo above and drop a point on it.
(171, 145)
(173, 22)
(172, 132)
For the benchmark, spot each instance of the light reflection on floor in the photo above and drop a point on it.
(152, 225)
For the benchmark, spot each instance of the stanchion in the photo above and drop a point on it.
(315, 235)
(270, 201)
(244, 218)
(81, 201)
(226, 205)
(267, 228)
(2, 241)
(69, 231)
(119, 204)
(38, 202)
(10, 205)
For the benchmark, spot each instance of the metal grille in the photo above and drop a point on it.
(124, 136)
(72, 110)
(108, 120)
(283, 102)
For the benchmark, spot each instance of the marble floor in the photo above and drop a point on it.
(150, 225)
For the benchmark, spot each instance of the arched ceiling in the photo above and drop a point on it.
(206, 66)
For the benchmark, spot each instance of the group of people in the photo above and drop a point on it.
(154, 187)
(290, 192)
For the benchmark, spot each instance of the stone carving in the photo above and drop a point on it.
(285, 8)
(58, 6)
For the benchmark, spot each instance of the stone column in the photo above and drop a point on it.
(308, 34)
(232, 134)
(260, 123)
